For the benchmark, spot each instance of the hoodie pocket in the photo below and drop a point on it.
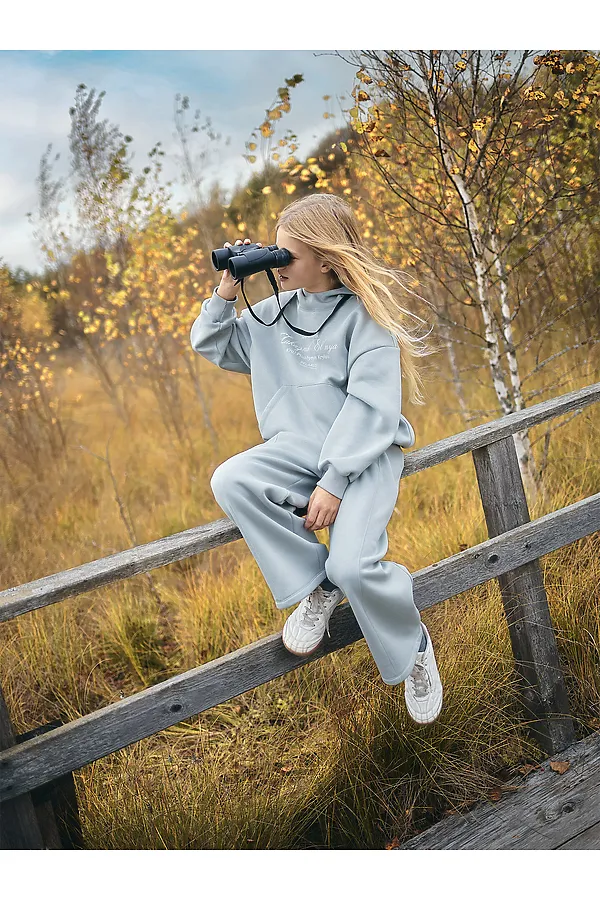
(269, 409)
(305, 409)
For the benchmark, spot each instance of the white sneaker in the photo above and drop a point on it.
(305, 628)
(423, 690)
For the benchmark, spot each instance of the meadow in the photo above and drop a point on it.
(325, 756)
(473, 172)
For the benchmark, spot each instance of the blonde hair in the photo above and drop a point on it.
(329, 226)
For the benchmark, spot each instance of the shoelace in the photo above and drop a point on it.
(315, 607)
(421, 682)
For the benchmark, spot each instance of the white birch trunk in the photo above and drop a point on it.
(477, 251)
(521, 438)
(492, 351)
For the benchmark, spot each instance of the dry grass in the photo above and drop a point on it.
(325, 756)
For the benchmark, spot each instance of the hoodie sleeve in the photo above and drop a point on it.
(369, 419)
(221, 336)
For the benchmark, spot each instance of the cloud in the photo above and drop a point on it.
(232, 88)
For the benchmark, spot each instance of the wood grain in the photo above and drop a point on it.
(544, 700)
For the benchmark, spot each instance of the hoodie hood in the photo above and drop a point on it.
(316, 300)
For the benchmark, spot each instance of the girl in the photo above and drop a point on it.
(326, 385)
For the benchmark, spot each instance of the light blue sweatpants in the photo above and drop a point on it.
(260, 488)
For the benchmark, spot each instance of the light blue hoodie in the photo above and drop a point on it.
(340, 389)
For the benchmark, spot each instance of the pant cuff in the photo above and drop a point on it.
(302, 592)
(408, 669)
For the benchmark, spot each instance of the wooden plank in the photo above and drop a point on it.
(156, 708)
(467, 441)
(19, 828)
(63, 799)
(50, 589)
(587, 840)
(544, 700)
(546, 811)
(66, 812)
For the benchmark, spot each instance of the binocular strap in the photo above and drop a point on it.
(271, 278)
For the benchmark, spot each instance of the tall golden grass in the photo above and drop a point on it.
(325, 756)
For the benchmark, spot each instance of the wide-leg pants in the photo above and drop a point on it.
(260, 488)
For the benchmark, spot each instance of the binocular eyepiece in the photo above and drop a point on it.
(244, 260)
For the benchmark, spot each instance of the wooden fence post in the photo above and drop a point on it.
(55, 803)
(543, 694)
(19, 828)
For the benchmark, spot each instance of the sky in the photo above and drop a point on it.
(233, 88)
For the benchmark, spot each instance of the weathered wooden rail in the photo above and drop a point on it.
(511, 554)
(554, 807)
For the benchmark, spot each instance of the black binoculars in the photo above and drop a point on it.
(244, 260)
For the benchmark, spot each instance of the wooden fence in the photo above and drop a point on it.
(29, 763)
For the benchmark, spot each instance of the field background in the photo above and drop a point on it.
(111, 428)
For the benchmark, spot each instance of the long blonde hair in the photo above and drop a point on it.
(329, 226)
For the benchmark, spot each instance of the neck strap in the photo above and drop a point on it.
(271, 278)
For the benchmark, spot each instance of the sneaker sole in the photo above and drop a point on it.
(306, 653)
(309, 652)
(432, 718)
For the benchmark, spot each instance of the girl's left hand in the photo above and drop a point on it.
(322, 509)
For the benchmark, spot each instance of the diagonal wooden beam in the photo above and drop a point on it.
(116, 726)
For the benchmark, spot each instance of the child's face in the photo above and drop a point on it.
(304, 269)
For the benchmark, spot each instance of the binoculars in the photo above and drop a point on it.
(244, 260)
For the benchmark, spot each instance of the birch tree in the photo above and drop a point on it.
(481, 153)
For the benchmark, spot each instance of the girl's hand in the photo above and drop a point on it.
(227, 288)
(322, 509)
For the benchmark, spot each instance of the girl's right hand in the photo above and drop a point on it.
(227, 287)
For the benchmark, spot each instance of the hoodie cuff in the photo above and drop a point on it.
(333, 482)
(218, 304)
